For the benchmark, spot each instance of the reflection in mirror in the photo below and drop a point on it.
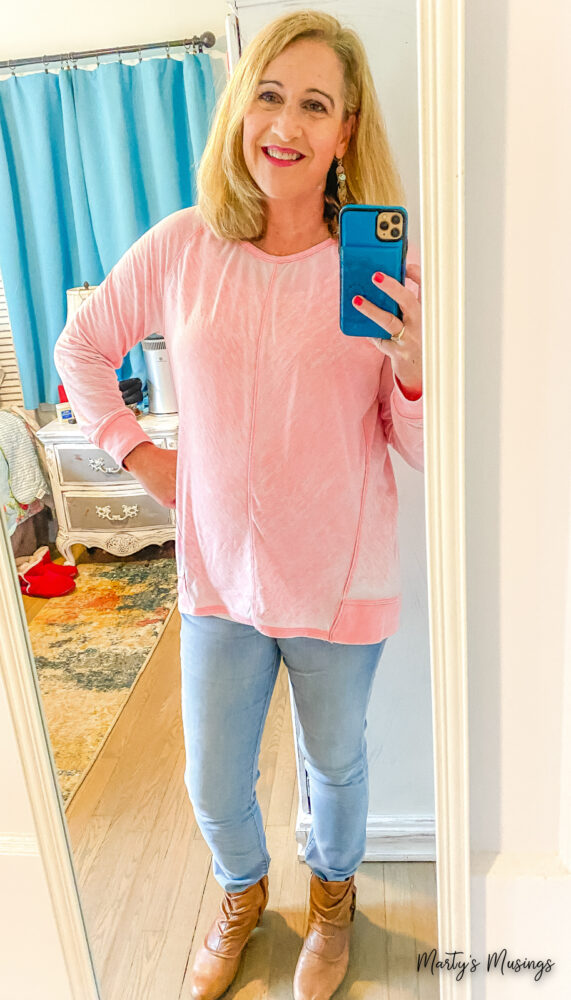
(219, 535)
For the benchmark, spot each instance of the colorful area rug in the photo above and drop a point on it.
(90, 646)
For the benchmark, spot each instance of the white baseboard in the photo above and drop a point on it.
(389, 838)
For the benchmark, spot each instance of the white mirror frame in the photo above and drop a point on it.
(441, 142)
(441, 75)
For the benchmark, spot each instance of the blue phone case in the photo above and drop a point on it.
(361, 253)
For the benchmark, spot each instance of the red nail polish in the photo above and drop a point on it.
(357, 300)
(378, 276)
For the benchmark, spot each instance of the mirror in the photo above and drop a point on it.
(137, 850)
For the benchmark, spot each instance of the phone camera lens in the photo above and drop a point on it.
(395, 219)
(384, 225)
(395, 232)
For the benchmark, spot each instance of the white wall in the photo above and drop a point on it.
(518, 414)
(35, 28)
(518, 431)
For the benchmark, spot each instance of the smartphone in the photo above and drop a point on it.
(371, 238)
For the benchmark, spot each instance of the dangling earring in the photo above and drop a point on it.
(341, 185)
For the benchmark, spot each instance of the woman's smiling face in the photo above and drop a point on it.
(297, 108)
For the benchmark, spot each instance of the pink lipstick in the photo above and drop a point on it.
(286, 161)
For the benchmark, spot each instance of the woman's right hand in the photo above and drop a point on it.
(155, 469)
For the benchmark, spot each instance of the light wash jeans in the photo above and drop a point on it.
(228, 675)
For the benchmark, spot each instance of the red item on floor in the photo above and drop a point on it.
(39, 577)
(56, 567)
(43, 583)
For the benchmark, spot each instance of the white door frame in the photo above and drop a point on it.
(441, 142)
(442, 170)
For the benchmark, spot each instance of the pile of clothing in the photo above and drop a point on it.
(23, 487)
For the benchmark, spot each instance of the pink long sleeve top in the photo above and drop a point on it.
(286, 501)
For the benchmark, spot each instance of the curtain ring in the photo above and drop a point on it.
(140, 56)
(97, 58)
(11, 67)
(73, 60)
(187, 48)
(46, 64)
(119, 56)
(168, 51)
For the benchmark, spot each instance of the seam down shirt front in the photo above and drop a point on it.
(286, 501)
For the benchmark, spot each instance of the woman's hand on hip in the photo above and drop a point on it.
(155, 469)
(405, 355)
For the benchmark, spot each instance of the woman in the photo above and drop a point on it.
(284, 489)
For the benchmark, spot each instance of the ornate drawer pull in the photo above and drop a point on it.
(127, 512)
(99, 465)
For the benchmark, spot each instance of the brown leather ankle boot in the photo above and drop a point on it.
(324, 958)
(218, 958)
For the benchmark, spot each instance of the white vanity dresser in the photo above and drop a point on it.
(97, 502)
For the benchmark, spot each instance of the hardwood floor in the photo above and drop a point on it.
(144, 871)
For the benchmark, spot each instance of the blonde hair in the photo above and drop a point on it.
(229, 199)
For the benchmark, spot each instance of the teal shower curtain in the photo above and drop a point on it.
(89, 160)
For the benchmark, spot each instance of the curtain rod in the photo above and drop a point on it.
(207, 39)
